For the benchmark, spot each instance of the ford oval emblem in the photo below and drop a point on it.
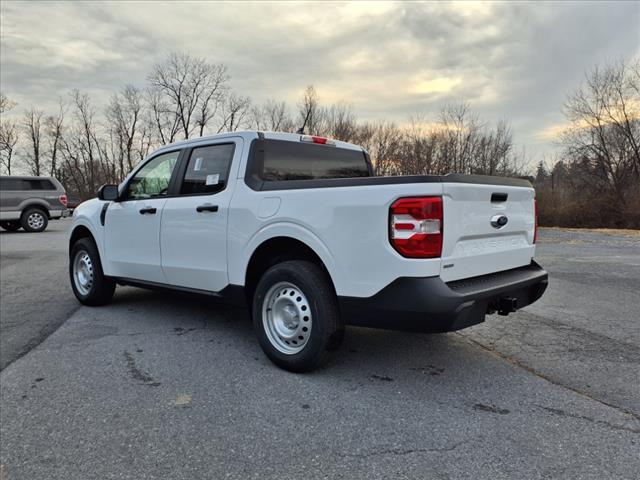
(499, 221)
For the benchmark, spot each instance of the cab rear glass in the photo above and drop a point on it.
(281, 160)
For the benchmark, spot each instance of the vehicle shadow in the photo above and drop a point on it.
(370, 355)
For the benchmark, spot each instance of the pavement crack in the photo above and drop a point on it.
(182, 331)
(138, 374)
(562, 413)
(533, 371)
(403, 451)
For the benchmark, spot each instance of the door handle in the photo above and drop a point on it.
(207, 208)
(150, 210)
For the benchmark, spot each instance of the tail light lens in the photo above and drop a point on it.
(315, 139)
(535, 213)
(415, 227)
(63, 199)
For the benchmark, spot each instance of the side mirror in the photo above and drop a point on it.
(108, 192)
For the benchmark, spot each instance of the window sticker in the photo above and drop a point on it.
(198, 166)
(213, 179)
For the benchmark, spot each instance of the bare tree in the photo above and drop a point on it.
(384, 147)
(310, 114)
(271, 116)
(234, 112)
(9, 134)
(161, 118)
(86, 163)
(461, 128)
(190, 89)
(604, 131)
(124, 115)
(32, 124)
(340, 122)
(53, 126)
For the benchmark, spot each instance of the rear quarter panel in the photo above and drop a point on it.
(347, 227)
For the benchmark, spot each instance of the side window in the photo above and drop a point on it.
(38, 184)
(153, 179)
(208, 169)
(12, 184)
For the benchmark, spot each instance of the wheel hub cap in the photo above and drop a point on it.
(286, 318)
(83, 272)
(35, 220)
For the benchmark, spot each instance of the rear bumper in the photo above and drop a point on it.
(55, 214)
(430, 305)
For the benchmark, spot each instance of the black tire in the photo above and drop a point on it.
(34, 220)
(325, 330)
(100, 290)
(11, 226)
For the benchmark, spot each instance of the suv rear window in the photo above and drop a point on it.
(278, 160)
(22, 184)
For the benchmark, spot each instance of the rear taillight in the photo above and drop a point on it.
(535, 214)
(415, 227)
(63, 199)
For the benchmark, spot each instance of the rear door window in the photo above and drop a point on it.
(208, 169)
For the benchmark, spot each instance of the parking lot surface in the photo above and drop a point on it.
(161, 385)
(35, 293)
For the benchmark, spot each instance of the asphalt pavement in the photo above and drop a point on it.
(35, 296)
(161, 385)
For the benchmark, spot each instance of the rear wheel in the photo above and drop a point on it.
(11, 226)
(88, 281)
(296, 316)
(34, 220)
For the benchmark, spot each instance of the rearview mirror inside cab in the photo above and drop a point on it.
(108, 192)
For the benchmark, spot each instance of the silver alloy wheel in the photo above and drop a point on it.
(83, 272)
(35, 220)
(286, 317)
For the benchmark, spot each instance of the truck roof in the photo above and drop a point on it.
(30, 177)
(249, 135)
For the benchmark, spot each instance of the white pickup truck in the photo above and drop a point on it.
(299, 229)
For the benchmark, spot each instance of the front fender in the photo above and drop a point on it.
(87, 215)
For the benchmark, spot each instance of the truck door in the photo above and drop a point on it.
(132, 224)
(193, 230)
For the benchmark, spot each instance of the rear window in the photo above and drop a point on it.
(22, 184)
(278, 160)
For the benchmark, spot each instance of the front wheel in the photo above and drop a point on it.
(88, 281)
(296, 316)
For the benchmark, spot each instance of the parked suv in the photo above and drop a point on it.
(297, 227)
(30, 202)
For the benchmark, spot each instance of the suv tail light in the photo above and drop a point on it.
(415, 227)
(535, 214)
(63, 199)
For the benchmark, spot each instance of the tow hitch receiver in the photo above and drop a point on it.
(507, 305)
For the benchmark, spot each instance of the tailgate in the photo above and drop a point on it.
(476, 238)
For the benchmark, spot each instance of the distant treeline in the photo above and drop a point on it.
(595, 182)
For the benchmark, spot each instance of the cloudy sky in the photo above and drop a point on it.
(514, 61)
